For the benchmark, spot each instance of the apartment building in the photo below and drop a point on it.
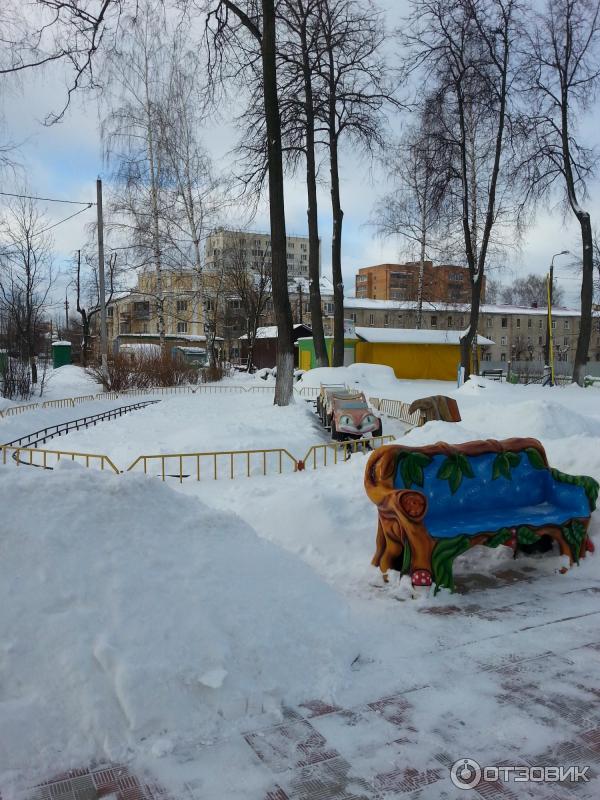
(518, 332)
(135, 313)
(445, 283)
(255, 248)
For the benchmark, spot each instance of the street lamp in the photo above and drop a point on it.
(550, 284)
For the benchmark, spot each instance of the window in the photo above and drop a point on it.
(567, 325)
(434, 321)
(182, 305)
(553, 324)
(386, 320)
(371, 319)
(461, 322)
(540, 340)
(518, 322)
(182, 327)
(540, 323)
(234, 303)
(145, 327)
(566, 341)
(449, 322)
(209, 305)
(502, 356)
(487, 356)
(353, 316)
(109, 312)
(329, 308)
(504, 322)
(529, 323)
(489, 322)
(503, 340)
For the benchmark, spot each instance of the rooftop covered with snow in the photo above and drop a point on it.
(413, 336)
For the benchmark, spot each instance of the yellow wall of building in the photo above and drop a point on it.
(425, 361)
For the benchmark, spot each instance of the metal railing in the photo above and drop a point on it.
(219, 464)
(63, 403)
(396, 409)
(50, 431)
(328, 453)
(34, 457)
(14, 410)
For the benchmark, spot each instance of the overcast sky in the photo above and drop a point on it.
(65, 159)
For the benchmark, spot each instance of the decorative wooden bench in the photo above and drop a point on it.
(436, 502)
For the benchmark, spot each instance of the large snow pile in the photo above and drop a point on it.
(134, 619)
(366, 376)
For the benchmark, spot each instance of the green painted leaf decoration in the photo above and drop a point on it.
(535, 458)
(574, 534)
(503, 465)
(526, 535)
(406, 556)
(442, 558)
(453, 469)
(589, 485)
(411, 468)
(499, 537)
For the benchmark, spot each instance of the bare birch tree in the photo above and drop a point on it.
(466, 55)
(561, 80)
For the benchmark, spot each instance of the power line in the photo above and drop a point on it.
(47, 199)
(49, 228)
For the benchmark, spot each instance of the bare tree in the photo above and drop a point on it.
(25, 274)
(561, 83)
(242, 35)
(250, 283)
(531, 291)
(356, 90)
(132, 134)
(466, 54)
(87, 292)
(412, 210)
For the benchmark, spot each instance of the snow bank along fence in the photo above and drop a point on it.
(398, 410)
(215, 465)
(42, 435)
(202, 388)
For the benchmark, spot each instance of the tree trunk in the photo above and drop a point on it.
(587, 292)
(336, 257)
(284, 384)
(316, 312)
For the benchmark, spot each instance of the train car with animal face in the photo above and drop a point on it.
(347, 413)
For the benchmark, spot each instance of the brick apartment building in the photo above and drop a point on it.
(445, 283)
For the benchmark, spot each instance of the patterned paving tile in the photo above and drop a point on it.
(405, 779)
(285, 747)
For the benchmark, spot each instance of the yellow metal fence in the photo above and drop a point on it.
(48, 459)
(212, 465)
(217, 464)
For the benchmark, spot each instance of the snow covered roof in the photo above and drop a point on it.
(270, 331)
(409, 305)
(325, 284)
(413, 336)
(60, 344)
(186, 337)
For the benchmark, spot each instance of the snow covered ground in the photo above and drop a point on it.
(153, 623)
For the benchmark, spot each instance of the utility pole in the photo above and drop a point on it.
(66, 311)
(548, 354)
(101, 282)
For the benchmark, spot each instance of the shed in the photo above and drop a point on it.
(306, 351)
(417, 354)
(265, 345)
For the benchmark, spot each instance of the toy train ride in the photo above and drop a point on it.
(346, 413)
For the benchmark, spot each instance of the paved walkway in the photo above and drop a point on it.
(548, 675)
